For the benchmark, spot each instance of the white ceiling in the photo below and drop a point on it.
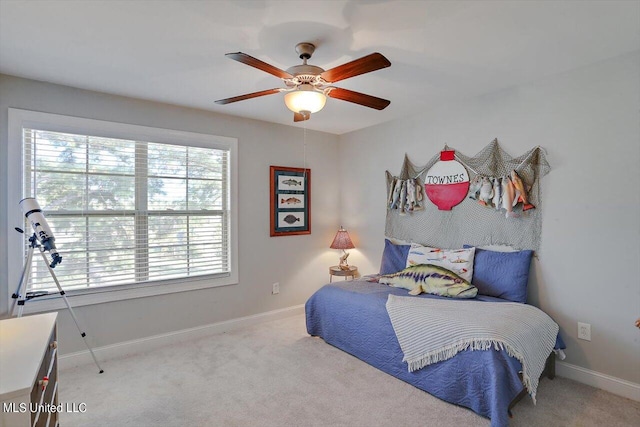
(441, 51)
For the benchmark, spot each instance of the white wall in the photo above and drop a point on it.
(589, 261)
(299, 263)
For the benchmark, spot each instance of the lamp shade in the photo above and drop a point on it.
(305, 98)
(342, 240)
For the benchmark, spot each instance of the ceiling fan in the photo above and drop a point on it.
(307, 86)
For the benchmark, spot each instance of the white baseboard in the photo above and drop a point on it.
(608, 383)
(147, 344)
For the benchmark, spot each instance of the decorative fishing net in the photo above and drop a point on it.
(470, 222)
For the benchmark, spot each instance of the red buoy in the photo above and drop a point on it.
(447, 182)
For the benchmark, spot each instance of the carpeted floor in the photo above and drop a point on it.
(274, 374)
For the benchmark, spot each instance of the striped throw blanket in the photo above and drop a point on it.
(433, 330)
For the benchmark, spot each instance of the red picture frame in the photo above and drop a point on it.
(290, 201)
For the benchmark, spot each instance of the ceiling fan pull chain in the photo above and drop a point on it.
(304, 151)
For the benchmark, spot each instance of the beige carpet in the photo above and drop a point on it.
(274, 374)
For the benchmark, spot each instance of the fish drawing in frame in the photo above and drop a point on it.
(292, 182)
(291, 219)
(290, 201)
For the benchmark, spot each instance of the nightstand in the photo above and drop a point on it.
(29, 371)
(337, 271)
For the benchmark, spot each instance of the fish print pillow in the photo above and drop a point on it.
(430, 279)
(460, 261)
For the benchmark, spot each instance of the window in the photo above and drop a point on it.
(130, 207)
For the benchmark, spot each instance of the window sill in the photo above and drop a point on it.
(76, 298)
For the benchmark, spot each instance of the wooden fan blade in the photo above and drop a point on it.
(248, 96)
(358, 98)
(260, 65)
(299, 117)
(366, 64)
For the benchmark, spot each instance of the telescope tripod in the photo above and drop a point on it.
(20, 297)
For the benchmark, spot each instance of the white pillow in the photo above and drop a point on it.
(460, 261)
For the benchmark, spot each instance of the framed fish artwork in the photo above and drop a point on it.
(290, 207)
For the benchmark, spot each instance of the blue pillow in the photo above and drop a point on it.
(502, 274)
(394, 257)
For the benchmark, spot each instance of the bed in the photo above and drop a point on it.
(352, 317)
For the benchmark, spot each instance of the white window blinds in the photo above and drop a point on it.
(127, 212)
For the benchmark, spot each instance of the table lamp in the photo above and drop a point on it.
(342, 241)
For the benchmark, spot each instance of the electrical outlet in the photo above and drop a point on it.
(584, 331)
(275, 288)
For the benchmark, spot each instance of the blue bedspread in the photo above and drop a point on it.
(352, 316)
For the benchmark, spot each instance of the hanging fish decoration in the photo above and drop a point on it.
(508, 196)
(391, 190)
(519, 185)
(497, 193)
(419, 197)
(395, 196)
(411, 195)
(446, 183)
(403, 197)
(486, 191)
(476, 183)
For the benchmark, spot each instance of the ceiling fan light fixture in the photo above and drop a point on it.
(307, 85)
(305, 98)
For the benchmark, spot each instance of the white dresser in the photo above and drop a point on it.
(28, 371)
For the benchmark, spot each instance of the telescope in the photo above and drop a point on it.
(31, 210)
(42, 239)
